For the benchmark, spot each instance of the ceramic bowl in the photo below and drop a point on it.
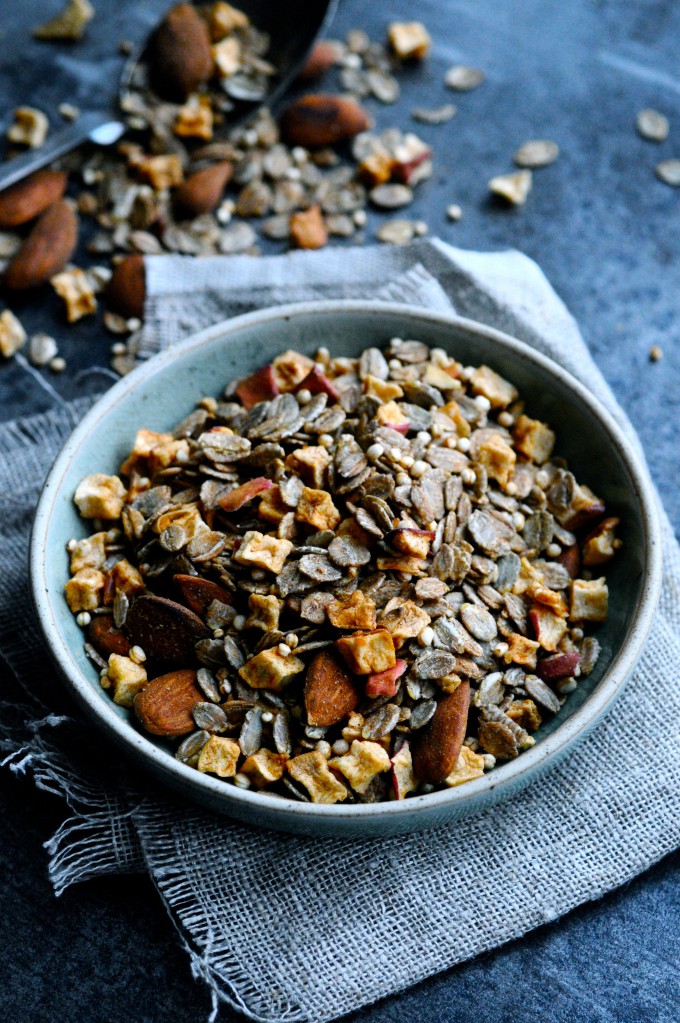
(162, 391)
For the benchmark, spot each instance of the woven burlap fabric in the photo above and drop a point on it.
(299, 929)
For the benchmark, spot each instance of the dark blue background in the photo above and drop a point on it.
(606, 233)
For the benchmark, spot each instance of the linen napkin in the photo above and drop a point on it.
(290, 930)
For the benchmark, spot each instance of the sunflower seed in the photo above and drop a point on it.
(479, 622)
(463, 79)
(319, 568)
(391, 197)
(381, 722)
(421, 714)
(189, 749)
(209, 717)
(250, 737)
(121, 604)
(208, 686)
(536, 153)
(652, 125)
(281, 733)
(434, 663)
(590, 651)
(668, 171)
(541, 693)
(439, 115)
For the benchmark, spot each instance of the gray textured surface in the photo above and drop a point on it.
(605, 232)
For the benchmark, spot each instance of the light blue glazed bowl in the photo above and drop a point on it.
(165, 389)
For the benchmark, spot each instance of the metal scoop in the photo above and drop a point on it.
(292, 28)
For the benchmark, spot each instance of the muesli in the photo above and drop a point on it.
(345, 579)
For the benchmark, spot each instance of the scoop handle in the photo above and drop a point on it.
(96, 125)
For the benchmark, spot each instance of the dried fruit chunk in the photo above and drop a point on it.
(30, 127)
(411, 541)
(263, 551)
(264, 612)
(403, 619)
(355, 611)
(195, 120)
(330, 692)
(468, 766)
(367, 652)
(126, 677)
(271, 669)
(600, 546)
(513, 187)
(12, 334)
(22, 202)
(307, 229)
(264, 767)
(259, 386)
(219, 756)
(549, 627)
(225, 19)
(165, 705)
(521, 650)
(100, 497)
(290, 369)
(180, 53)
(46, 250)
(198, 593)
(589, 600)
(409, 40)
(315, 508)
(317, 382)
(533, 439)
(320, 120)
(68, 24)
(526, 714)
(236, 498)
(385, 683)
(126, 291)
(360, 766)
(561, 665)
(85, 590)
(437, 746)
(498, 459)
(75, 288)
(491, 385)
(403, 778)
(310, 463)
(165, 630)
(202, 191)
(311, 770)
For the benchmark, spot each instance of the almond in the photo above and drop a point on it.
(307, 229)
(180, 53)
(22, 202)
(435, 749)
(202, 191)
(319, 120)
(46, 250)
(321, 59)
(164, 706)
(164, 629)
(106, 638)
(126, 290)
(199, 593)
(330, 692)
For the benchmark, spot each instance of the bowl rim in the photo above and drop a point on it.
(457, 799)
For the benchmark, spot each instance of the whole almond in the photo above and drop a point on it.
(46, 250)
(180, 53)
(437, 746)
(106, 638)
(126, 290)
(164, 706)
(330, 691)
(202, 191)
(320, 120)
(321, 58)
(22, 202)
(199, 593)
(165, 630)
(307, 229)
